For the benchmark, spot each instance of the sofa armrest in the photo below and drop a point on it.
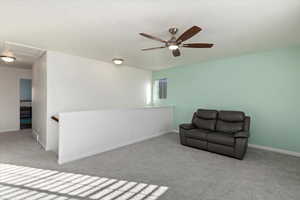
(242, 134)
(187, 126)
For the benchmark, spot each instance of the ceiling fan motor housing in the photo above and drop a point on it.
(173, 30)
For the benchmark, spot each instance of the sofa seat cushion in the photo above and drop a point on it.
(229, 127)
(199, 134)
(221, 138)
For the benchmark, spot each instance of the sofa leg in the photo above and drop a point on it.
(241, 145)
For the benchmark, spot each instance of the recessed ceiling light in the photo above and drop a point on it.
(8, 59)
(173, 47)
(118, 61)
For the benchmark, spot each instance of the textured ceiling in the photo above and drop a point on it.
(106, 29)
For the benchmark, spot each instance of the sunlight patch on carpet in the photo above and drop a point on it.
(26, 183)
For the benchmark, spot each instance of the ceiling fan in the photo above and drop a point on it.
(174, 44)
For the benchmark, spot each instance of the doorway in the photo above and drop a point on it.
(25, 103)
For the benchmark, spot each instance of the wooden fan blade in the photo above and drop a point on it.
(188, 34)
(198, 45)
(152, 37)
(153, 48)
(176, 53)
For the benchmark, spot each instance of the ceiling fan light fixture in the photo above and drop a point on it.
(173, 47)
(118, 61)
(176, 43)
(8, 59)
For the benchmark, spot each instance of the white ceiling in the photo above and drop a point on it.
(103, 29)
(25, 55)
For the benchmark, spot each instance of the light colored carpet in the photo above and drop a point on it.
(189, 173)
(27, 183)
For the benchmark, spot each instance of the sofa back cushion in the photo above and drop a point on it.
(231, 116)
(230, 121)
(205, 119)
(207, 124)
(207, 114)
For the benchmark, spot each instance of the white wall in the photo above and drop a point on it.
(86, 133)
(10, 96)
(39, 99)
(75, 83)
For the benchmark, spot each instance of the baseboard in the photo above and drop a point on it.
(8, 130)
(282, 151)
(36, 136)
(42, 145)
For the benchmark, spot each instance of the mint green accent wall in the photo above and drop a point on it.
(264, 85)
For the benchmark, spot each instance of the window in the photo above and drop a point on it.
(160, 88)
